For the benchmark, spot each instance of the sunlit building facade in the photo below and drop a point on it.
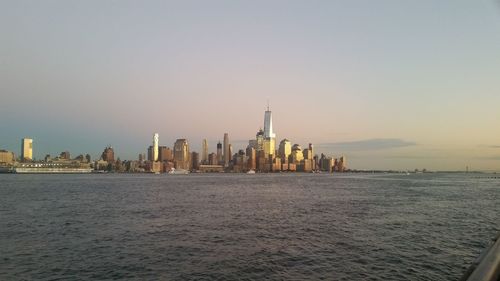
(155, 147)
(268, 124)
(204, 151)
(269, 146)
(26, 149)
(284, 150)
(269, 135)
(296, 155)
(181, 154)
(6, 157)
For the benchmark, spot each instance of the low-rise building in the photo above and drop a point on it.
(6, 158)
(211, 168)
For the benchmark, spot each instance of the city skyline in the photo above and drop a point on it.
(260, 155)
(353, 149)
(390, 85)
(265, 141)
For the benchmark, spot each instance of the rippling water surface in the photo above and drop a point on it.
(245, 227)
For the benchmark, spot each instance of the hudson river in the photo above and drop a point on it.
(244, 227)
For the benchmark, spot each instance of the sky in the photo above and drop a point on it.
(389, 84)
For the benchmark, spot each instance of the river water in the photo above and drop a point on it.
(245, 227)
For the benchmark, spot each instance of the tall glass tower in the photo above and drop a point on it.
(219, 153)
(268, 124)
(204, 151)
(227, 155)
(155, 147)
(269, 136)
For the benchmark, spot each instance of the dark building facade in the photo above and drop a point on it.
(108, 154)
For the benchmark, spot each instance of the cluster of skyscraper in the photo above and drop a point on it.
(260, 155)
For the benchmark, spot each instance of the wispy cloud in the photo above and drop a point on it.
(493, 146)
(494, 157)
(370, 144)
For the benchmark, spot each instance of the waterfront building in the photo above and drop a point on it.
(276, 164)
(309, 152)
(307, 165)
(119, 166)
(264, 146)
(181, 154)
(219, 153)
(108, 155)
(150, 153)
(268, 124)
(211, 168)
(195, 160)
(6, 158)
(155, 147)
(26, 149)
(252, 143)
(296, 155)
(168, 166)
(131, 166)
(342, 164)
(64, 155)
(204, 151)
(262, 161)
(212, 159)
(284, 150)
(252, 159)
(306, 153)
(134, 167)
(153, 166)
(259, 139)
(240, 162)
(310, 156)
(284, 166)
(80, 158)
(165, 154)
(269, 135)
(269, 146)
(230, 152)
(227, 154)
(258, 142)
(327, 164)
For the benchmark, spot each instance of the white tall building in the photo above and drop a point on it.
(268, 124)
(155, 147)
(269, 136)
